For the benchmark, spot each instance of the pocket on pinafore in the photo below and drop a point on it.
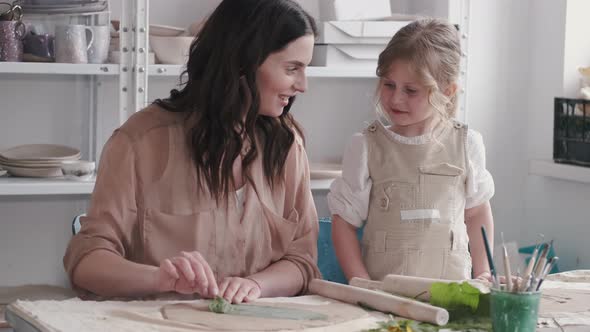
(380, 264)
(381, 260)
(399, 194)
(438, 182)
(429, 263)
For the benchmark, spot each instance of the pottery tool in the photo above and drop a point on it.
(380, 301)
(542, 259)
(490, 258)
(529, 270)
(410, 286)
(548, 267)
(507, 269)
(516, 285)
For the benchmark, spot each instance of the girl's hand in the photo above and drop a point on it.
(187, 273)
(487, 277)
(237, 290)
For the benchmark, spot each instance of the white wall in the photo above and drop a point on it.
(497, 103)
(34, 229)
(556, 208)
(577, 45)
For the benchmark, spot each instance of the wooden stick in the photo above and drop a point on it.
(380, 301)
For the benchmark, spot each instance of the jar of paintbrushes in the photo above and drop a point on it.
(514, 305)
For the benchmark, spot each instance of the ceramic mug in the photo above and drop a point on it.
(11, 44)
(72, 43)
(10, 12)
(99, 50)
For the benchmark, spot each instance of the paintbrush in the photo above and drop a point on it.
(490, 257)
(516, 286)
(507, 269)
(542, 259)
(547, 269)
(529, 269)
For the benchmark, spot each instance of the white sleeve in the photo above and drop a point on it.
(349, 194)
(480, 184)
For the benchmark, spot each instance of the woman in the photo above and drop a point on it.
(207, 192)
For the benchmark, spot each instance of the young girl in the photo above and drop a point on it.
(420, 184)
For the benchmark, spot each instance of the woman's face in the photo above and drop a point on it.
(282, 75)
(403, 98)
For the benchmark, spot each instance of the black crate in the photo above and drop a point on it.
(571, 131)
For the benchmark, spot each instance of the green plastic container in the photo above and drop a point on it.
(514, 312)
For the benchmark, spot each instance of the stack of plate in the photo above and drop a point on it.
(37, 160)
(63, 7)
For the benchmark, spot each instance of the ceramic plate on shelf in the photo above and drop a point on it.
(43, 164)
(36, 163)
(320, 171)
(165, 30)
(50, 172)
(39, 152)
(66, 9)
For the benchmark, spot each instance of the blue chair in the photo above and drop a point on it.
(327, 261)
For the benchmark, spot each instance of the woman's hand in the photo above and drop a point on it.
(237, 290)
(187, 273)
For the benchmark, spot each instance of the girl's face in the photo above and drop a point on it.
(282, 75)
(404, 99)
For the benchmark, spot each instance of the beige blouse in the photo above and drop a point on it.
(146, 207)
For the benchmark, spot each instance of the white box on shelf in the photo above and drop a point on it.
(357, 55)
(358, 32)
(333, 10)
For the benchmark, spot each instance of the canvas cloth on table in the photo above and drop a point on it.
(77, 315)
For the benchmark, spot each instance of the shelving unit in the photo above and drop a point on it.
(45, 68)
(133, 73)
(551, 169)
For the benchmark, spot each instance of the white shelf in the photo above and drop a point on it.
(58, 68)
(13, 186)
(560, 171)
(360, 72)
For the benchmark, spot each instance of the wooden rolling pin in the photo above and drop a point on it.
(380, 301)
(412, 287)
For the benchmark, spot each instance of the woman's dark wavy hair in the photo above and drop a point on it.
(220, 97)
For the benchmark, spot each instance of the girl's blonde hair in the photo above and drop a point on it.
(433, 49)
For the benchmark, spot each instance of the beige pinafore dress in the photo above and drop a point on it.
(415, 224)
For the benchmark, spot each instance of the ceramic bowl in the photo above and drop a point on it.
(171, 50)
(79, 170)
